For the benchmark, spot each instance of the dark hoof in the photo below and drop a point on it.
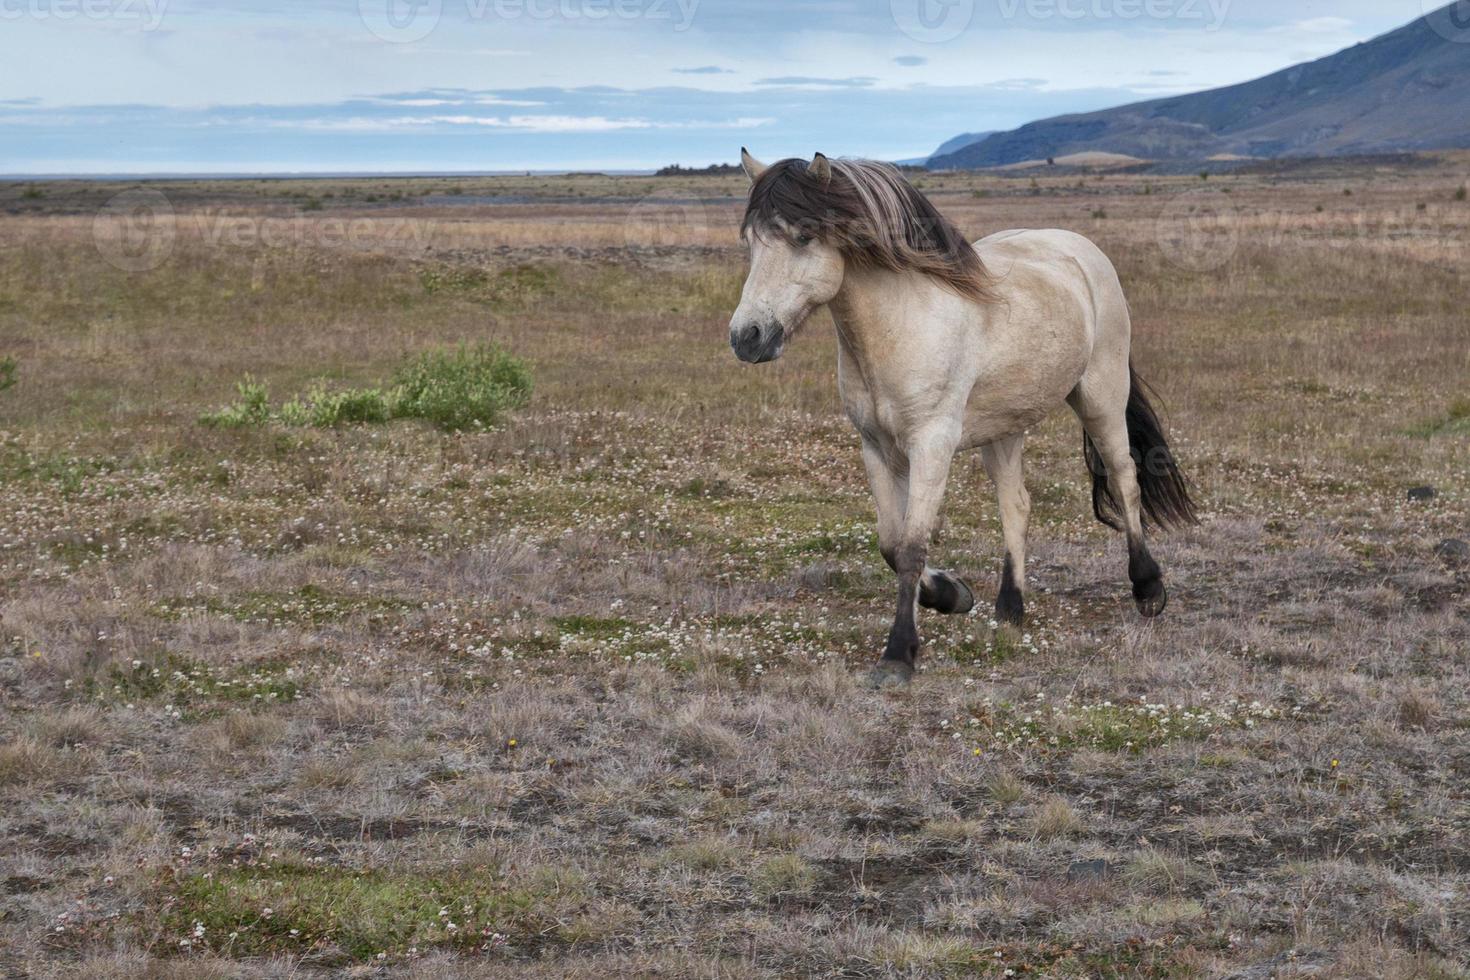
(1010, 608)
(1150, 597)
(949, 596)
(890, 674)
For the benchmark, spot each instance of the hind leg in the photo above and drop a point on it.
(1002, 461)
(1106, 423)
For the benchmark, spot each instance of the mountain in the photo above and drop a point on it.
(1407, 90)
(948, 146)
(959, 143)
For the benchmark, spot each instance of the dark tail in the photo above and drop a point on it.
(1166, 499)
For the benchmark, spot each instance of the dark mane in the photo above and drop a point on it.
(869, 212)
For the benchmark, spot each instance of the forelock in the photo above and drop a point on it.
(870, 212)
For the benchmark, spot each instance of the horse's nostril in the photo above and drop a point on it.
(746, 339)
(751, 343)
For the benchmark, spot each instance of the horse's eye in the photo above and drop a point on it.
(803, 241)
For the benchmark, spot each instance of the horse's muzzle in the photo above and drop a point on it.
(756, 346)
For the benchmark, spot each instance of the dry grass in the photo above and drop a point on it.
(582, 686)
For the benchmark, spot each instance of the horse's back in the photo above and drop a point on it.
(1056, 269)
(1060, 315)
(1053, 251)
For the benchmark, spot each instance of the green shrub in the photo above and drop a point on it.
(253, 408)
(8, 369)
(296, 412)
(466, 388)
(469, 388)
(354, 406)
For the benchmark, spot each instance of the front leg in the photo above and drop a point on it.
(889, 478)
(929, 456)
(940, 591)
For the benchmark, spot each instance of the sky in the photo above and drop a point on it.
(279, 86)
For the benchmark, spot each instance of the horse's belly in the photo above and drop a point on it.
(1033, 353)
(1008, 399)
(985, 423)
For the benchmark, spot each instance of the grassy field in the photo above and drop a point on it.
(573, 695)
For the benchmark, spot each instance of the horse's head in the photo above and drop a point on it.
(807, 224)
(795, 266)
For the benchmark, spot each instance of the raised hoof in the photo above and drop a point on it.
(1150, 597)
(948, 597)
(888, 674)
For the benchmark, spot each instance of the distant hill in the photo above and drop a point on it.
(948, 146)
(1408, 90)
(713, 170)
(960, 142)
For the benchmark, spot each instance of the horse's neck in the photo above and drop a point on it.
(875, 308)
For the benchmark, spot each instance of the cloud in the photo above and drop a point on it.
(523, 124)
(573, 128)
(1317, 25)
(704, 70)
(1020, 84)
(430, 103)
(910, 60)
(857, 81)
(434, 97)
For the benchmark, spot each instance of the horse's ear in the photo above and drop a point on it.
(820, 168)
(753, 167)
